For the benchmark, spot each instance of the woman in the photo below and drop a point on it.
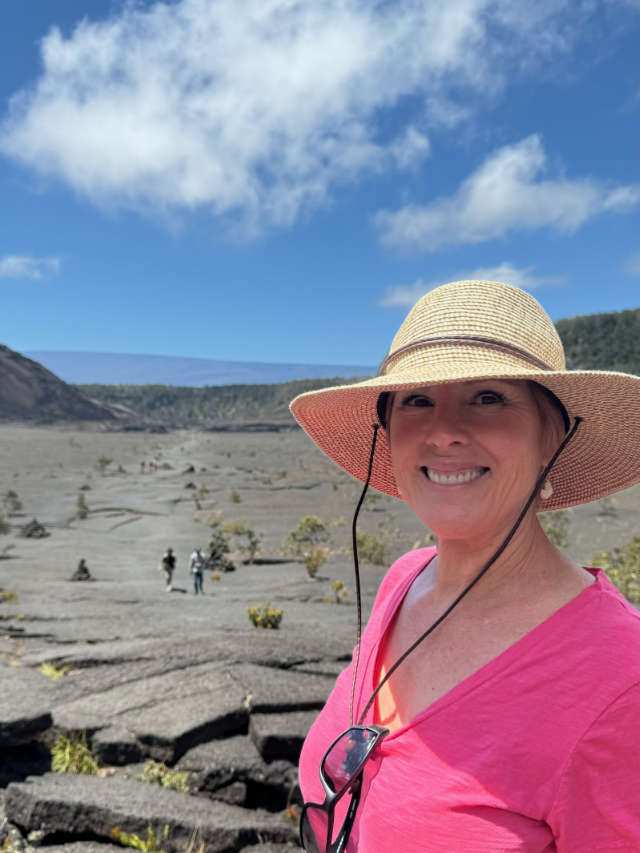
(493, 700)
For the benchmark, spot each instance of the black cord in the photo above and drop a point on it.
(356, 567)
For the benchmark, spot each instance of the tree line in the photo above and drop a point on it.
(592, 342)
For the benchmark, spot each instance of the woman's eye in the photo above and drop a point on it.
(416, 400)
(489, 398)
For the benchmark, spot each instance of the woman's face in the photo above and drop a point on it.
(466, 455)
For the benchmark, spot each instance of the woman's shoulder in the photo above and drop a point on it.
(403, 572)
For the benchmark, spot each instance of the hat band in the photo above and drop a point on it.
(466, 340)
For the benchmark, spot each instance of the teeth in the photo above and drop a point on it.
(457, 477)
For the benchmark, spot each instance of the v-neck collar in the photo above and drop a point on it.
(483, 673)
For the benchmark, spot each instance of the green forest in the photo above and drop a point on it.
(593, 342)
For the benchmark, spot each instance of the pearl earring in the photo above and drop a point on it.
(547, 490)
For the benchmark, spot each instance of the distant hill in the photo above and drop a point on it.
(108, 368)
(28, 391)
(602, 341)
(594, 342)
(216, 406)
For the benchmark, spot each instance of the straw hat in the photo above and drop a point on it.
(470, 330)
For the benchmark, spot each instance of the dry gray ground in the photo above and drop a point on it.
(181, 678)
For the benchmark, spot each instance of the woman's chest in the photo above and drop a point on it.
(453, 653)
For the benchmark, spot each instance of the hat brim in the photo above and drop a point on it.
(603, 457)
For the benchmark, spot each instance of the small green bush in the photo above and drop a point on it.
(9, 596)
(150, 845)
(5, 527)
(157, 773)
(70, 754)
(11, 502)
(234, 496)
(53, 672)
(247, 540)
(371, 548)
(103, 463)
(82, 510)
(340, 591)
(218, 549)
(622, 566)
(264, 616)
(314, 560)
(303, 543)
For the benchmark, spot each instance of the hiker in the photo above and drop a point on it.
(168, 564)
(197, 564)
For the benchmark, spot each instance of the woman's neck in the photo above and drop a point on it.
(528, 558)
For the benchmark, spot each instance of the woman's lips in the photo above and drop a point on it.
(453, 478)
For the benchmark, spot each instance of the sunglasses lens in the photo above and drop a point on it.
(347, 755)
(314, 829)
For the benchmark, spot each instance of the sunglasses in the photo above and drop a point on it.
(340, 773)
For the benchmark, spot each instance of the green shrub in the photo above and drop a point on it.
(218, 550)
(151, 844)
(82, 510)
(264, 616)
(556, 526)
(340, 591)
(103, 463)
(157, 773)
(11, 502)
(53, 672)
(314, 560)
(371, 548)
(303, 543)
(622, 566)
(234, 496)
(247, 540)
(5, 527)
(70, 754)
(9, 596)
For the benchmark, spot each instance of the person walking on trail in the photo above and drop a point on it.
(168, 564)
(196, 564)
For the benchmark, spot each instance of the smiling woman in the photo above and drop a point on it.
(497, 705)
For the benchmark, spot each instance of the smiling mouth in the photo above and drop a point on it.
(453, 478)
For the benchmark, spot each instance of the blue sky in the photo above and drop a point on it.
(279, 180)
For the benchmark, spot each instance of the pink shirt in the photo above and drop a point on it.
(539, 750)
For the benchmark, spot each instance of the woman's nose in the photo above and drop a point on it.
(445, 427)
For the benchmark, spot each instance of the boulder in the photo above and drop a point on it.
(280, 735)
(34, 530)
(65, 805)
(25, 705)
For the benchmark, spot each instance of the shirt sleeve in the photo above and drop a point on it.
(597, 807)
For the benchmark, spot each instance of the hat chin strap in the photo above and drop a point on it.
(541, 478)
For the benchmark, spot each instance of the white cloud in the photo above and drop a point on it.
(24, 266)
(259, 108)
(406, 295)
(507, 192)
(632, 264)
(410, 148)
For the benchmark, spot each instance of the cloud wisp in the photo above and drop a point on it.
(508, 192)
(406, 295)
(192, 105)
(25, 266)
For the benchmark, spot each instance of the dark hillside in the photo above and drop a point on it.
(602, 341)
(28, 391)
